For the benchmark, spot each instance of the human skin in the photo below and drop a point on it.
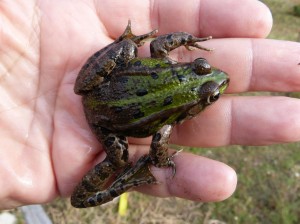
(46, 145)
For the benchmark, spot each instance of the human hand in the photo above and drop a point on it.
(46, 144)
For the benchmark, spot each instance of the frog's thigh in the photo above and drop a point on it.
(116, 148)
(91, 190)
(159, 148)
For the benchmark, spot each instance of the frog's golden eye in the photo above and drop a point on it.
(214, 97)
(209, 92)
(201, 66)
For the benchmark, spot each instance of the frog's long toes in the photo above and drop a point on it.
(201, 47)
(203, 39)
(176, 153)
(171, 162)
(173, 166)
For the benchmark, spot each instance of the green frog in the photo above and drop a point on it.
(124, 95)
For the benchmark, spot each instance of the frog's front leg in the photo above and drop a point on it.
(162, 45)
(159, 155)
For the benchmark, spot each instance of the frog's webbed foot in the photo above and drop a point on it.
(86, 195)
(173, 166)
(137, 175)
(138, 40)
(162, 45)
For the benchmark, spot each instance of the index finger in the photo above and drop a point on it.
(227, 18)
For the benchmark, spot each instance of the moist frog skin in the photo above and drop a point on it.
(124, 95)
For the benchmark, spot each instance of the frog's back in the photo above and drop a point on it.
(139, 100)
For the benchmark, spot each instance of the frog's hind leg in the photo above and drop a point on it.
(95, 180)
(98, 178)
(136, 176)
(137, 39)
(162, 45)
(96, 187)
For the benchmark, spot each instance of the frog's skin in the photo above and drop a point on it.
(124, 96)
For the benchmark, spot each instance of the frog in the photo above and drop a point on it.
(124, 95)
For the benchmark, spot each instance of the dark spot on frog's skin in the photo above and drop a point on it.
(194, 89)
(170, 39)
(117, 109)
(109, 141)
(122, 137)
(154, 75)
(181, 78)
(113, 193)
(91, 202)
(97, 54)
(183, 41)
(151, 48)
(135, 51)
(181, 117)
(137, 63)
(168, 100)
(141, 92)
(138, 114)
(125, 155)
(157, 66)
(135, 183)
(99, 198)
(123, 79)
(156, 137)
(87, 185)
(104, 131)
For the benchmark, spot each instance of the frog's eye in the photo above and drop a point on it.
(201, 66)
(214, 97)
(209, 92)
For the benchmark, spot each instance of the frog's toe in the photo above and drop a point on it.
(197, 46)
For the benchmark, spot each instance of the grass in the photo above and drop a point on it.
(269, 184)
(269, 177)
(267, 192)
(286, 23)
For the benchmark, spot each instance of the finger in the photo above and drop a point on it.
(197, 178)
(255, 64)
(226, 18)
(244, 121)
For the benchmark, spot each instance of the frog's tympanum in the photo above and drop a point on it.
(124, 95)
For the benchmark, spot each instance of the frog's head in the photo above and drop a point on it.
(213, 84)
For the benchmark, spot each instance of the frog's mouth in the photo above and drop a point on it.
(224, 85)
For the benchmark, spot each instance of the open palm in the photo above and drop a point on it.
(46, 145)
